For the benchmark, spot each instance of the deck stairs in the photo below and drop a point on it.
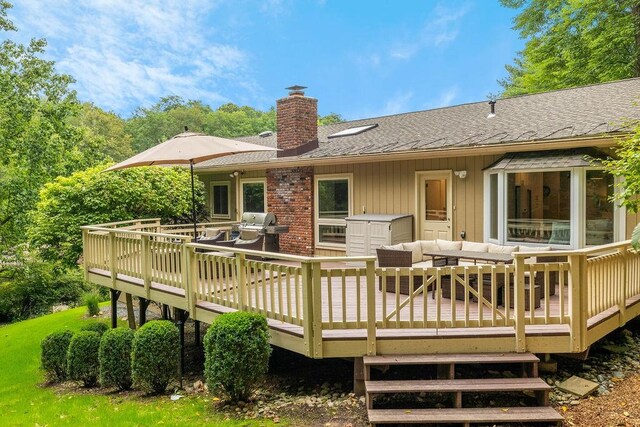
(446, 380)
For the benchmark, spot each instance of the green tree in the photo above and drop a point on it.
(105, 136)
(37, 143)
(330, 119)
(94, 197)
(626, 164)
(168, 117)
(573, 43)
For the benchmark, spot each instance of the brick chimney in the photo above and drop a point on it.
(297, 123)
(290, 190)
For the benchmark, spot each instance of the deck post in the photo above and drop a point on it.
(371, 308)
(194, 276)
(242, 280)
(143, 305)
(113, 263)
(131, 314)
(519, 306)
(622, 304)
(577, 302)
(185, 269)
(145, 261)
(114, 307)
(196, 328)
(316, 286)
(307, 307)
(85, 253)
(358, 376)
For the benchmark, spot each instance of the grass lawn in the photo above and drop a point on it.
(24, 401)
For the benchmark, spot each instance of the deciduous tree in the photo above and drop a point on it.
(572, 43)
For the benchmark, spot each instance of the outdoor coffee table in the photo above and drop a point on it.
(474, 256)
(453, 257)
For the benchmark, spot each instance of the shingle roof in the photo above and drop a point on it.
(552, 159)
(569, 113)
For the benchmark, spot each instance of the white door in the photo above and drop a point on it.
(434, 195)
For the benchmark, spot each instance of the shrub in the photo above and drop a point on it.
(92, 302)
(155, 356)
(35, 286)
(53, 359)
(82, 358)
(115, 358)
(99, 327)
(237, 353)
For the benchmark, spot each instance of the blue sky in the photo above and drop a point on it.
(359, 58)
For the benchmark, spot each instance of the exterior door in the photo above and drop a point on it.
(434, 196)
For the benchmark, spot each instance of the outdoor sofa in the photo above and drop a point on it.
(412, 254)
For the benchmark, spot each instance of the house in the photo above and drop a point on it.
(516, 169)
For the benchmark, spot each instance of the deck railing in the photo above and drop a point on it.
(325, 295)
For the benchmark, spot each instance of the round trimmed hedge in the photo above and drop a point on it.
(115, 358)
(155, 356)
(82, 358)
(99, 327)
(237, 353)
(53, 358)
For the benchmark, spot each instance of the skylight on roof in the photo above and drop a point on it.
(353, 131)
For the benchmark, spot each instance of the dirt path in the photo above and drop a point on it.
(619, 408)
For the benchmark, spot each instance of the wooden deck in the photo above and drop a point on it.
(335, 307)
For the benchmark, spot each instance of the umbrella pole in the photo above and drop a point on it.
(193, 204)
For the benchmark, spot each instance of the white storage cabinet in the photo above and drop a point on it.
(367, 232)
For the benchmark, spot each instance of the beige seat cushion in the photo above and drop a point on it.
(397, 247)
(500, 249)
(448, 245)
(416, 250)
(474, 246)
(428, 246)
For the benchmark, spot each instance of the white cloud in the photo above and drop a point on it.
(439, 30)
(400, 102)
(125, 53)
(444, 98)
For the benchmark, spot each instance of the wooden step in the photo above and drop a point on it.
(459, 385)
(464, 415)
(437, 359)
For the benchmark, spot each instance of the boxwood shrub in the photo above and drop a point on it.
(155, 356)
(53, 358)
(237, 353)
(99, 327)
(115, 358)
(82, 358)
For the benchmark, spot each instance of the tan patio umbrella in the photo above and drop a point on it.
(189, 148)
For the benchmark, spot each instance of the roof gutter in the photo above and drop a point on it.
(485, 150)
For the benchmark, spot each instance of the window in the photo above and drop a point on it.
(560, 208)
(493, 206)
(598, 208)
(253, 196)
(220, 199)
(333, 205)
(539, 207)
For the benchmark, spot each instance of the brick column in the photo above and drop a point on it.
(290, 198)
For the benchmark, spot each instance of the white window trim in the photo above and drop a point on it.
(577, 217)
(323, 221)
(220, 184)
(262, 181)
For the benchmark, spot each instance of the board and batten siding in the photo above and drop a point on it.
(390, 188)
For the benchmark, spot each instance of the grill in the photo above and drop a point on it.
(253, 224)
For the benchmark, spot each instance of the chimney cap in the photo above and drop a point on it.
(296, 90)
